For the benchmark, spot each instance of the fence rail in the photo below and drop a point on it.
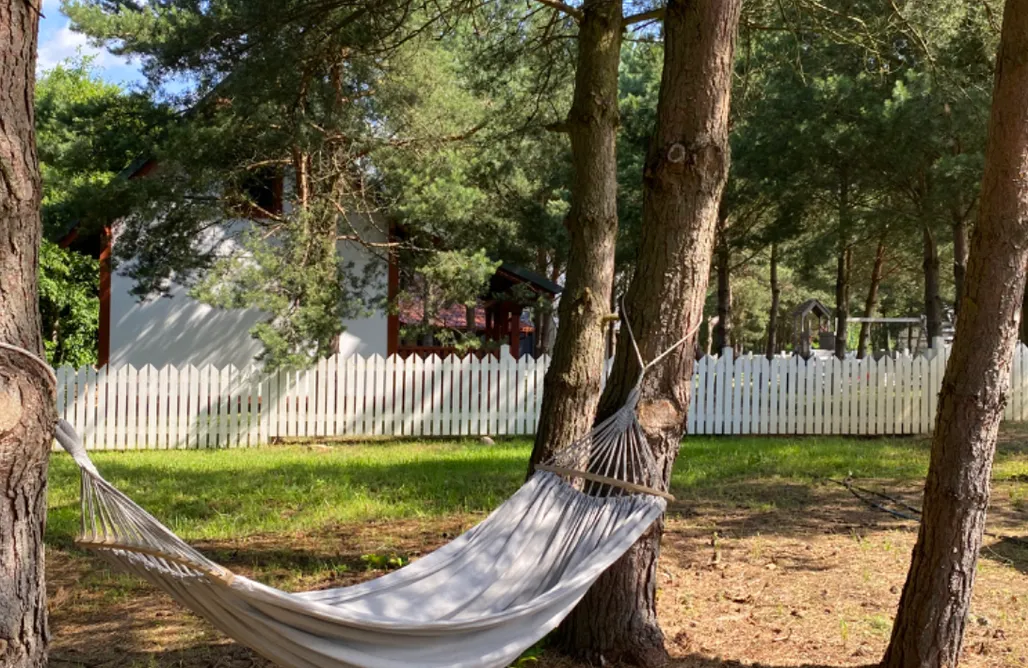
(124, 408)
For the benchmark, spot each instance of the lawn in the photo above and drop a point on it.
(763, 560)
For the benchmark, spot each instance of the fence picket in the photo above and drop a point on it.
(797, 395)
(774, 390)
(446, 414)
(700, 397)
(735, 414)
(134, 427)
(710, 396)
(100, 427)
(80, 400)
(902, 393)
(720, 371)
(762, 394)
(744, 379)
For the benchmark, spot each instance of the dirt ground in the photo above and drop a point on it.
(768, 574)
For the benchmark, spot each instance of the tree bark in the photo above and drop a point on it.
(932, 299)
(872, 299)
(842, 298)
(776, 298)
(844, 265)
(685, 172)
(959, 258)
(723, 329)
(27, 414)
(933, 609)
(1023, 329)
(571, 387)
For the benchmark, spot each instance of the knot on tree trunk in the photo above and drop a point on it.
(658, 415)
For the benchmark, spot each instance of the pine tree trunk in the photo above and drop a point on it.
(842, 298)
(26, 400)
(1023, 330)
(723, 329)
(933, 609)
(572, 384)
(685, 172)
(776, 298)
(959, 258)
(843, 267)
(932, 299)
(872, 299)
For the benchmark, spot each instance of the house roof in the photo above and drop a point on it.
(812, 306)
(522, 275)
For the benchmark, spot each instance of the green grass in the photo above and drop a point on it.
(233, 493)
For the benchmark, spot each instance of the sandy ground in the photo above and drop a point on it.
(768, 573)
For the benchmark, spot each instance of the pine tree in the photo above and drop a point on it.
(27, 412)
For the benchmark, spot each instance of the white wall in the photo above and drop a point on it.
(180, 330)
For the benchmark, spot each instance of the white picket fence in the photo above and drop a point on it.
(789, 395)
(208, 407)
(125, 408)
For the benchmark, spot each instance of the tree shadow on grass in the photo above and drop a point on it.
(228, 655)
(700, 661)
(281, 496)
(319, 492)
(309, 492)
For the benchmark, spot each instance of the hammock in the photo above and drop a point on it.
(479, 601)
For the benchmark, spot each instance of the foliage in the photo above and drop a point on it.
(436, 121)
(450, 278)
(852, 127)
(87, 131)
(376, 112)
(68, 305)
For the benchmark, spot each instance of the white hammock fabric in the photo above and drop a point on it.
(479, 601)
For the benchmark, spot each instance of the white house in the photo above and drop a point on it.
(177, 329)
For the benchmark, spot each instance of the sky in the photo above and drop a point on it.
(57, 42)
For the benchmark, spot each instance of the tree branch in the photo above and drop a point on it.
(573, 12)
(652, 15)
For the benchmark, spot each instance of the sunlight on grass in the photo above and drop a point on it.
(232, 493)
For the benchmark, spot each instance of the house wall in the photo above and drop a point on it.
(180, 330)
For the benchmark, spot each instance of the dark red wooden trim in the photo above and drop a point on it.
(514, 327)
(103, 353)
(69, 238)
(148, 168)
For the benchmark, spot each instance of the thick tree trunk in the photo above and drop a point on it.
(872, 299)
(932, 299)
(686, 168)
(776, 298)
(26, 399)
(723, 329)
(959, 258)
(842, 298)
(1023, 329)
(844, 265)
(933, 610)
(572, 384)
